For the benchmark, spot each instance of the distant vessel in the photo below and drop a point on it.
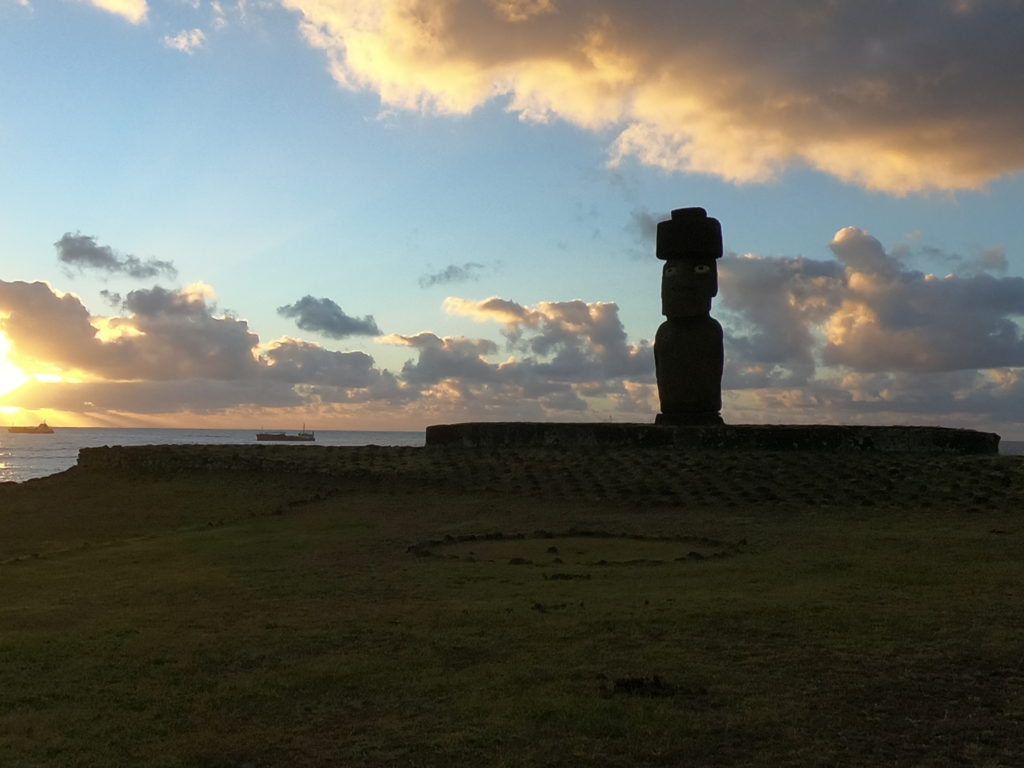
(283, 437)
(41, 429)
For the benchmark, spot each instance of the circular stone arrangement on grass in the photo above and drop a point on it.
(575, 547)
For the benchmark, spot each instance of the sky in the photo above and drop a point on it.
(385, 214)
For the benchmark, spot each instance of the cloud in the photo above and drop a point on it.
(565, 340)
(644, 225)
(330, 376)
(134, 11)
(522, 10)
(865, 313)
(325, 317)
(990, 399)
(447, 358)
(494, 308)
(896, 320)
(46, 325)
(454, 374)
(857, 336)
(113, 298)
(453, 273)
(771, 308)
(563, 360)
(168, 335)
(991, 260)
(186, 41)
(81, 252)
(908, 97)
(220, 18)
(127, 398)
(171, 351)
(176, 335)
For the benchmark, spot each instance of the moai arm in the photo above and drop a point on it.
(688, 350)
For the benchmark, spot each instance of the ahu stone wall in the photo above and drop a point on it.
(767, 437)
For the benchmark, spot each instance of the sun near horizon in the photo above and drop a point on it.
(11, 376)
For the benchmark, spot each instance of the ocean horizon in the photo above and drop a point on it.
(27, 457)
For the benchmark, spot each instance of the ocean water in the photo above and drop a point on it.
(23, 457)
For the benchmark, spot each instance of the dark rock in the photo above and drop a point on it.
(566, 576)
(759, 437)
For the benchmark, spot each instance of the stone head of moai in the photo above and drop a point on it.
(689, 243)
(688, 349)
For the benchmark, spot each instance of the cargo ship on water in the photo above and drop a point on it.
(283, 437)
(40, 429)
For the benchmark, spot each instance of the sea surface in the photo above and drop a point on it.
(23, 457)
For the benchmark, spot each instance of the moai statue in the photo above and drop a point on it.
(688, 353)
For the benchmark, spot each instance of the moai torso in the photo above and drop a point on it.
(688, 352)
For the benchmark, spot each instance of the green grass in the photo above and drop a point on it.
(839, 611)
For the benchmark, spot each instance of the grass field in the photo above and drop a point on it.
(438, 607)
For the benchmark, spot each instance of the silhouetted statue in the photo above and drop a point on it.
(688, 353)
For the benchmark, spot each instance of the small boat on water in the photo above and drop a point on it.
(283, 437)
(41, 429)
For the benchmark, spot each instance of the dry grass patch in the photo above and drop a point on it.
(361, 610)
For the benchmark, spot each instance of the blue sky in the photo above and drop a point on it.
(410, 160)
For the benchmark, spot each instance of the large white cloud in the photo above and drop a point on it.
(895, 96)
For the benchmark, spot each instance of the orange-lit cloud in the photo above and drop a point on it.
(898, 97)
(494, 309)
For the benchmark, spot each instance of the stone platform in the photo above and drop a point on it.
(760, 437)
